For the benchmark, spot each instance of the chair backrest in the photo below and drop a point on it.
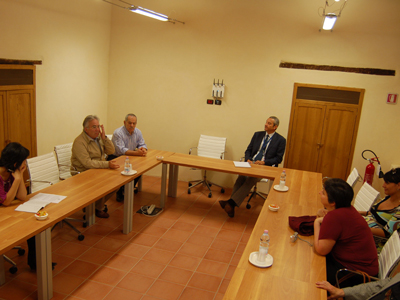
(366, 196)
(211, 146)
(63, 155)
(353, 177)
(389, 256)
(43, 170)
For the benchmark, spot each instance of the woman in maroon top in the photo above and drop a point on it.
(342, 234)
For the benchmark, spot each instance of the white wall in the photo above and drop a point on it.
(108, 61)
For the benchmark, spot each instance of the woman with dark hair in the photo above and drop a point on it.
(342, 234)
(12, 167)
(384, 217)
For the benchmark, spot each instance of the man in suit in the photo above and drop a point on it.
(266, 148)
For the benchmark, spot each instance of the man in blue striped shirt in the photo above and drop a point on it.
(128, 140)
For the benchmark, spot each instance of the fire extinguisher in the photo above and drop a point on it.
(369, 172)
(370, 169)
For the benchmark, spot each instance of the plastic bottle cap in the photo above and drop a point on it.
(265, 231)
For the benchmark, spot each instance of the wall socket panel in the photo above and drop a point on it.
(395, 166)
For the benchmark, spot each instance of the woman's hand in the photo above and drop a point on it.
(322, 212)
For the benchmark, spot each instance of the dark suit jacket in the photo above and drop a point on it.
(275, 150)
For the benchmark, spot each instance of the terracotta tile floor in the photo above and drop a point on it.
(189, 251)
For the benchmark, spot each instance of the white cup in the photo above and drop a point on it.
(281, 185)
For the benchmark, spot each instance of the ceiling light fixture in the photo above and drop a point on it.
(329, 21)
(143, 11)
(330, 18)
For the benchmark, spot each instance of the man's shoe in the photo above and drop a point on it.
(101, 214)
(228, 208)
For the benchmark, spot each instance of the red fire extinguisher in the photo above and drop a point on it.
(369, 172)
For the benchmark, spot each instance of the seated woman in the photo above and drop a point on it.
(12, 167)
(384, 217)
(342, 234)
(12, 186)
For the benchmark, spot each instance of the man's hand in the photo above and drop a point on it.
(102, 132)
(334, 292)
(113, 165)
(142, 151)
(259, 162)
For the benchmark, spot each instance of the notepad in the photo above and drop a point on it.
(242, 164)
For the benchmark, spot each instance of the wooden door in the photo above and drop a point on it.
(3, 141)
(21, 125)
(305, 135)
(336, 143)
(323, 129)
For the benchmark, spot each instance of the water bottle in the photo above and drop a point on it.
(282, 182)
(264, 244)
(127, 165)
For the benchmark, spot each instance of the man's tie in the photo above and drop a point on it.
(262, 150)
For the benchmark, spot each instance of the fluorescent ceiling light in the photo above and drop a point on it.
(329, 21)
(148, 13)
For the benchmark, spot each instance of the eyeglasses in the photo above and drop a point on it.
(94, 127)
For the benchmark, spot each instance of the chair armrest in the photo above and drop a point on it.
(222, 155)
(44, 181)
(350, 274)
(190, 150)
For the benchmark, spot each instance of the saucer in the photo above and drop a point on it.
(277, 188)
(267, 263)
(160, 157)
(133, 172)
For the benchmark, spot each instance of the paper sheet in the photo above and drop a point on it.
(242, 164)
(39, 201)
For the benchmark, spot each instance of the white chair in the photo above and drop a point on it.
(63, 155)
(43, 171)
(213, 147)
(366, 196)
(388, 259)
(353, 178)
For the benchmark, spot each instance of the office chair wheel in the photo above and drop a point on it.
(81, 237)
(21, 252)
(248, 206)
(84, 225)
(189, 191)
(209, 195)
(13, 270)
(222, 191)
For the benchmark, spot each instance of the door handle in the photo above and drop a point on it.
(319, 145)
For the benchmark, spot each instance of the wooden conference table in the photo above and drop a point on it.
(82, 191)
(296, 267)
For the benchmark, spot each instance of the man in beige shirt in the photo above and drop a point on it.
(89, 152)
